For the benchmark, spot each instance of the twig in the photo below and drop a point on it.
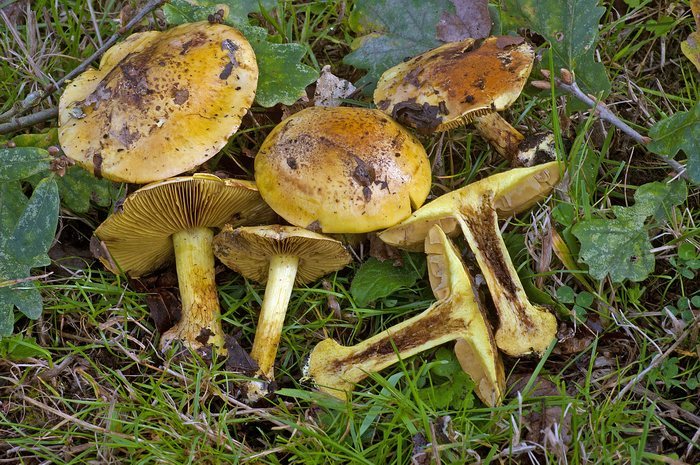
(567, 83)
(15, 124)
(34, 98)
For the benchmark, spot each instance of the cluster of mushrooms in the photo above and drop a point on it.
(339, 171)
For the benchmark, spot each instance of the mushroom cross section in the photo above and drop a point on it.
(457, 315)
(279, 256)
(342, 170)
(473, 210)
(464, 82)
(160, 104)
(174, 218)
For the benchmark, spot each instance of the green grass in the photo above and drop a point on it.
(86, 383)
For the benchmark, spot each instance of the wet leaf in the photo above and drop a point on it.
(376, 279)
(22, 162)
(620, 247)
(471, 19)
(691, 46)
(680, 132)
(571, 28)
(282, 77)
(392, 30)
(24, 242)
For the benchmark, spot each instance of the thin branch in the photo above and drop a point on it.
(16, 124)
(568, 84)
(34, 98)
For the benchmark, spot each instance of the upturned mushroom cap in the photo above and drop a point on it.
(160, 104)
(513, 191)
(138, 236)
(449, 86)
(342, 170)
(248, 250)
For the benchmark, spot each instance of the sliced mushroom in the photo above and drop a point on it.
(457, 315)
(279, 256)
(160, 104)
(465, 82)
(474, 210)
(174, 218)
(342, 170)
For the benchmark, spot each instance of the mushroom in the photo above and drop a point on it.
(474, 210)
(175, 217)
(466, 82)
(160, 104)
(279, 256)
(349, 170)
(457, 315)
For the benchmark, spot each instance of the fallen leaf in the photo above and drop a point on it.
(471, 20)
(238, 360)
(691, 46)
(330, 89)
(680, 132)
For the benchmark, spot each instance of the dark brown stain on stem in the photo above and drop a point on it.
(443, 319)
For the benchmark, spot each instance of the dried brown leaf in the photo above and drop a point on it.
(472, 20)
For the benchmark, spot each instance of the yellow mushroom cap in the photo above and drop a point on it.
(512, 192)
(342, 170)
(160, 104)
(247, 250)
(138, 237)
(449, 86)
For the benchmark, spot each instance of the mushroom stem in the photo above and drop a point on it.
(457, 315)
(278, 290)
(500, 134)
(200, 322)
(523, 328)
(336, 368)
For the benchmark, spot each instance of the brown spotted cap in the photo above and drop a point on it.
(449, 86)
(160, 104)
(138, 237)
(342, 170)
(247, 250)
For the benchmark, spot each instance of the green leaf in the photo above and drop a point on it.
(566, 295)
(657, 199)
(7, 317)
(376, 279)
(22, 162)
(458, 389)
(620, 247)
(28, 229)
(36, 228)
(571, 28)
(20, 347)
(78, 189)
(184, 11)
(392, 31)
(12, 204)
(679, 132)
(282, 77)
